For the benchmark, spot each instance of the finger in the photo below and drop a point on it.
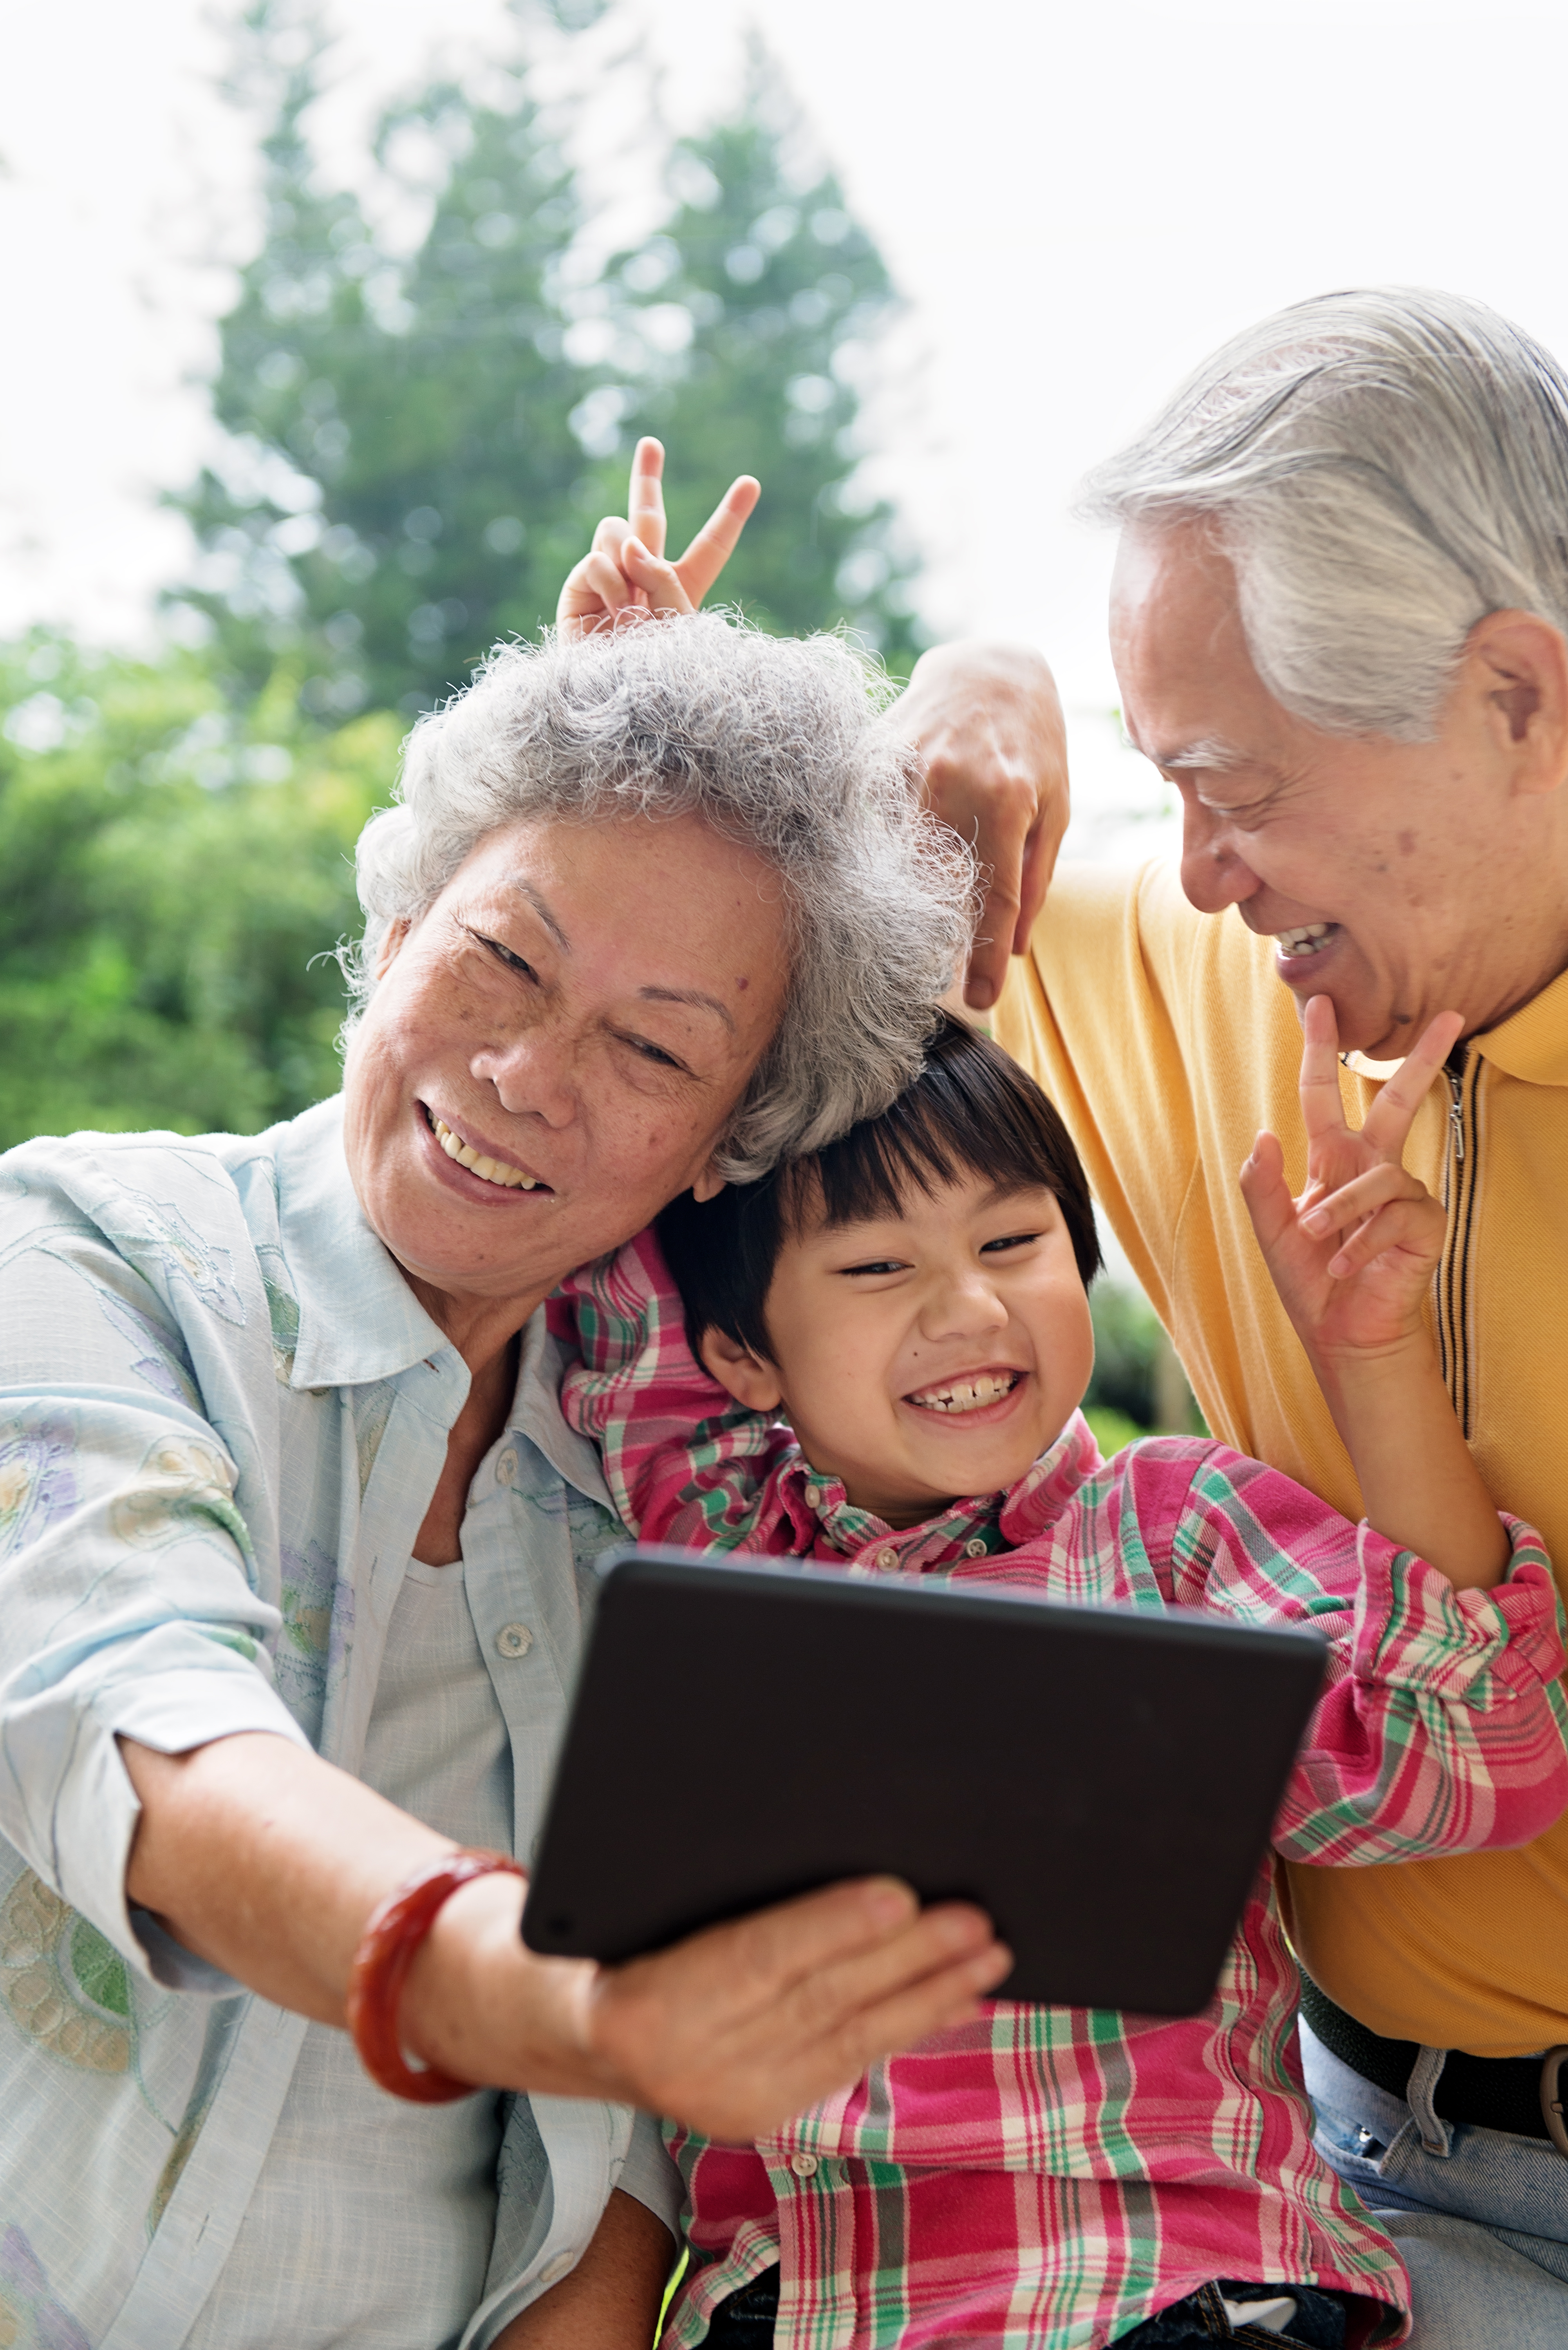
(645, 499)
(610, 537)
(1039, 852)
(934, 1943)
(718, 538)
(1266, 1192)
(1323, 1111)
(1389, 1119)
(999, 830)
(1339, 1210)
(659, 581)
(594, 588)
(1412, 1227)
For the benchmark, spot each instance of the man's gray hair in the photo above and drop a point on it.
(780, 745)
(1384, 468)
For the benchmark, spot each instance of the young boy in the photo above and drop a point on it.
(903, 1323)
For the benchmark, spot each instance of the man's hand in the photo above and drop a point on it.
(626, 571)
(988, 724)
(732, 2031)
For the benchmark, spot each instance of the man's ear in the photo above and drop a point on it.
(1524, 671)
(749, 1380)
(709, 1184)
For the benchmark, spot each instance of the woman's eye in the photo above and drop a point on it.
(504, 954)
(654, 1052)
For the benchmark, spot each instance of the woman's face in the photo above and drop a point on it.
(579, 1012)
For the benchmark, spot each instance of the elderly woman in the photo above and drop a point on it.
(295, 1548)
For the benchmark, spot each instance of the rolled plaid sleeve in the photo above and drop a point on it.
(683, 1460)
(1443, 1726)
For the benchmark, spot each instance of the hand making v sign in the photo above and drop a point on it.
(1353, 1260)
(625, 570)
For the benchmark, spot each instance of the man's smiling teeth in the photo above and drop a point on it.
(488, 1170)
(1305, 938)
(968, 1395)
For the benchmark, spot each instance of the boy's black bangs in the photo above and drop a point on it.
(972, 1111)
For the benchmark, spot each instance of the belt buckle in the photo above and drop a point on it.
(1553, 2098)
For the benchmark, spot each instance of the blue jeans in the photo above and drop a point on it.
(1479, 2216)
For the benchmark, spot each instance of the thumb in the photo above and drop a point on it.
(1265, 1190)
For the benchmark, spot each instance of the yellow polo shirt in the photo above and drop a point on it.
(1165, 1040)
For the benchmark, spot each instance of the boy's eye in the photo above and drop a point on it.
(1010, 1241)
(875, 1264)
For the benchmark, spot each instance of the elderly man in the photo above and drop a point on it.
(1338, 620)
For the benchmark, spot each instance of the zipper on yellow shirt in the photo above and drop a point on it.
(1460, 1183)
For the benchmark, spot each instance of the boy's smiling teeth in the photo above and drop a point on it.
(488, 1170)
(970, 1394)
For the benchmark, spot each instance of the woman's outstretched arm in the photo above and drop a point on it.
(267, 1862)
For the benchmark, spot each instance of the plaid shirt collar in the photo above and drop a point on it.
(816, 1507)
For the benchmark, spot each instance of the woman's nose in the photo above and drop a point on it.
(1212, 875)
(531, 1074)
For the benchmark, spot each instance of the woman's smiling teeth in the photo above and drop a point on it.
(1305, 938)
(971, 1394)
(488, 1170)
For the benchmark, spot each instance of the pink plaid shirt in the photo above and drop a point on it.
(1048, 2176)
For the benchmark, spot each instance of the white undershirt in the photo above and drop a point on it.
(347, 2164)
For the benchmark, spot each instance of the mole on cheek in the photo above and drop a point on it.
(1406, 844)
(743, 985)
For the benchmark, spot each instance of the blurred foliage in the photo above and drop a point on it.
(417, 440)
(420, 444)
(167, 874)
(1138, 1385)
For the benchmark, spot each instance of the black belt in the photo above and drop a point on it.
(1500, 2093)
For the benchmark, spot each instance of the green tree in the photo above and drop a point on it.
(754, 310)
(169, 876)
(399, 489)
(420, 445)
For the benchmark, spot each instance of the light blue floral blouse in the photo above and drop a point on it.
(223, 1414)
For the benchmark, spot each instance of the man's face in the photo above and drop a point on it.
(1396, 879)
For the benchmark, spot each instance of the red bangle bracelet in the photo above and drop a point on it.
(388, 1948)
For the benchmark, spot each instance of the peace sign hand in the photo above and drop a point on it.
(1354, 1257)
(625, 571)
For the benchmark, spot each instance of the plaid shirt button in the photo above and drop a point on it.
(813, 1496)
(885, 1556)
(804, 2165)
(975, 1546)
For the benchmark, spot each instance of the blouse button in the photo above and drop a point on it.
(515, 1640)
(554, 2271)
(974, 1548)
(804, 2165)
(506, 1467)
(887, 1556)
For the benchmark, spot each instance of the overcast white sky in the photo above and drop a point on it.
(1077, 201)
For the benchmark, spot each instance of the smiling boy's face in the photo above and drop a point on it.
(926, 1356)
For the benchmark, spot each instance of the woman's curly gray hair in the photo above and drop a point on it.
(778, 745)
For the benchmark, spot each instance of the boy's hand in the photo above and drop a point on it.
(626, 571)
(1354, 1257)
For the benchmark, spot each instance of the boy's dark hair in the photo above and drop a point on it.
(970, 1111)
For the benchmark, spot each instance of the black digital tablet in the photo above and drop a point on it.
(1101, 1781)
